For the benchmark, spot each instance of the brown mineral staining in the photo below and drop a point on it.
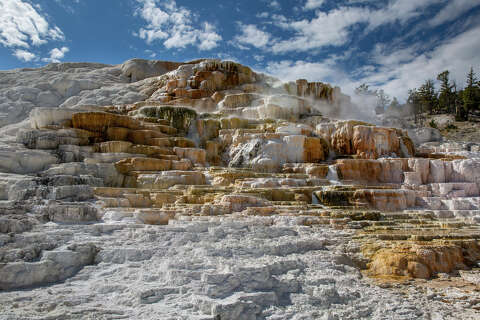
(423, 260)
(213, 139)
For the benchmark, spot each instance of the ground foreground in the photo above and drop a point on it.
(234, 268)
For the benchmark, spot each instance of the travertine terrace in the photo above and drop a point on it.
(204, 190)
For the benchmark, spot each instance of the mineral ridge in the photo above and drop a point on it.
(204, 190)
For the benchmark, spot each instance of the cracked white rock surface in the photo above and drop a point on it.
(220, 268)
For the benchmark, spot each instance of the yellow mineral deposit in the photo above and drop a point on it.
(215, 140)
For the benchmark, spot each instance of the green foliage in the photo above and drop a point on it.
(383, 100)
(461, 113)
(395, 103)
(451, 126)
(423, 99)
(413, 97)
(364, 90)
(471, 93)
(396, 108)
(210, 116)
(179, 117)
(414, 101)
(446, 98)
(433, 124)
(427, 96)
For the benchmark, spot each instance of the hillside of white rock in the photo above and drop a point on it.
(205, 190)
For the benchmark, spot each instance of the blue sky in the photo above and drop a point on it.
(390, 44)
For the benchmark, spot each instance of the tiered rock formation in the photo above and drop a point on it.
(214, 141)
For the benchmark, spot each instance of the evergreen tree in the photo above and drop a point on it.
(395, 104)
(414, 102)
(470, 95)
(395, 107)
(460, 112)
(461, 102)
(363, 90)
(428, 97)
(446, 98)
(383, 99)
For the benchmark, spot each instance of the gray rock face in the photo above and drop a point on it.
(73, 84)
(50, 139)
(139, 69)
(422, 135)
(60, 187)
(54, 266)
(18, 159)
(105, 171)
(22, 90)
(70, 212)
(223, 268)
(12, 223)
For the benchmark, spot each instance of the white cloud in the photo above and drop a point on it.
(173, 25)
(396, 70)
(399, 11)
(24, 55)
(399, 55)
(22, 26)
(61, 1)
(392, 67)
(453, 10)
(228, 56)
(313, 4)
(251, 35)
(334, 27)
(275, 5)
(208, 38)
(65, 4)
(56, 54)
(150, 53)
(288, 70)
(263, 15)
(456, 55)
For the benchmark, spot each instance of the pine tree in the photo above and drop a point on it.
(363, 89)
(470, 96)
(460, 111)
(427, 96)
(383, 100)
(414, 102)
(446, 98)
(395, 104)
